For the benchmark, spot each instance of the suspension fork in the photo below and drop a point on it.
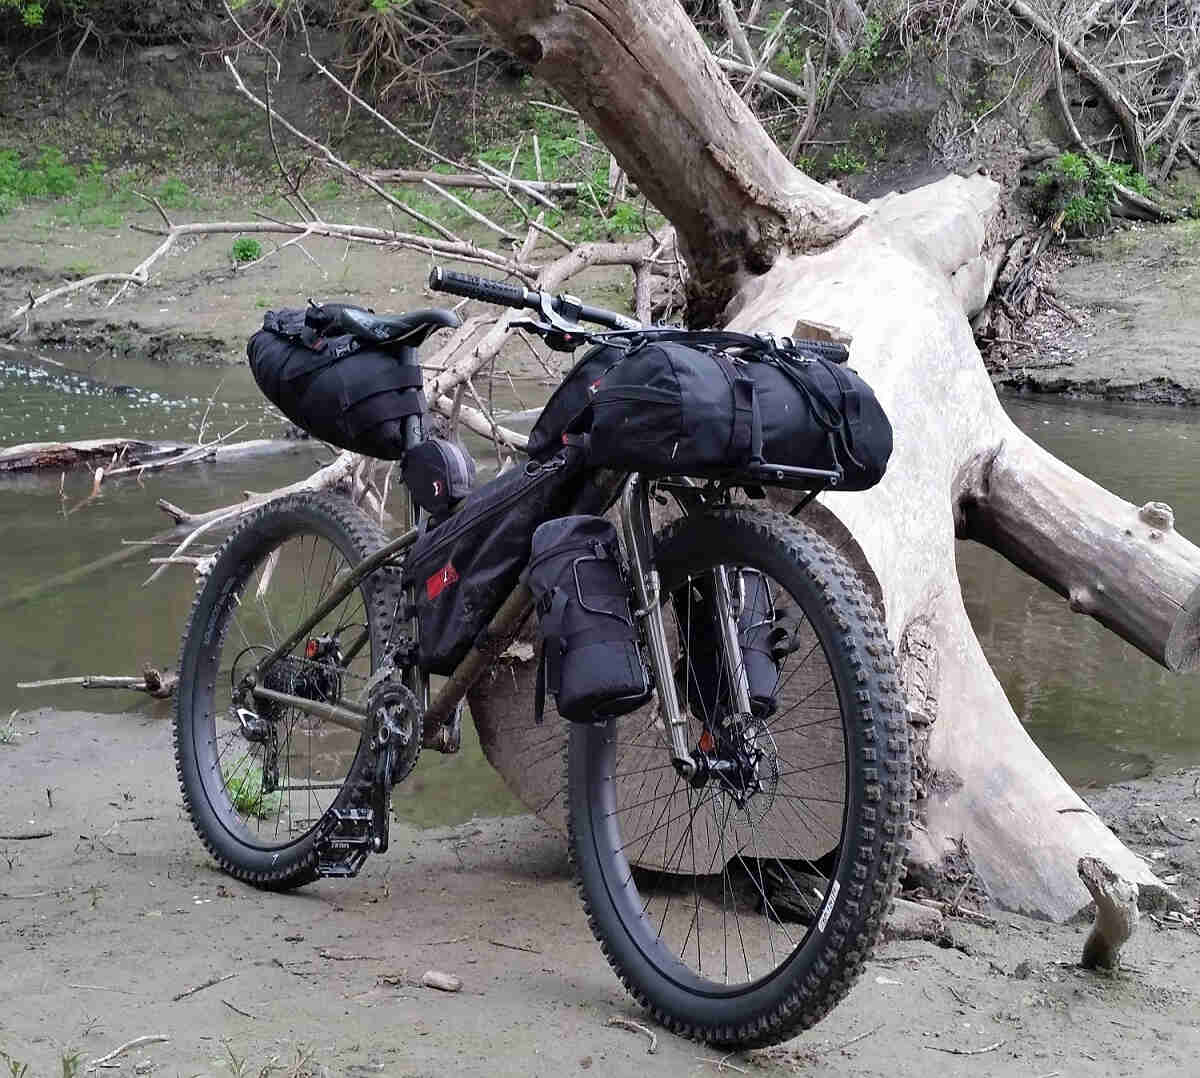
(639, 546)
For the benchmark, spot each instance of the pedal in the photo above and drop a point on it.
(350, 838)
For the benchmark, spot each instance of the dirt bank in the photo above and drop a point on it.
(109, 920)
(1131, 323)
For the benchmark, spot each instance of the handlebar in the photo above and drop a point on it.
(565, 306)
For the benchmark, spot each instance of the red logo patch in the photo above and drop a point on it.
(440, 581)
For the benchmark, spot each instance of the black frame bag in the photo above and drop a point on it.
(463, 569)
(352, 397)
(701, 673)
(591, 662)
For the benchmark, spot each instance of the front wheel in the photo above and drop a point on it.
(739, 906)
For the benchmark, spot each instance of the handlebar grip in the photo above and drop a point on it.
(467, 284)
(611, 319)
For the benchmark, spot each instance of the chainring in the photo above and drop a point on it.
(395, 718)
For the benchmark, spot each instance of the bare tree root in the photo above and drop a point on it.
(1116, 914)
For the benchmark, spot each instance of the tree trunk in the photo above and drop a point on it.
(643, 79)
(788, 254)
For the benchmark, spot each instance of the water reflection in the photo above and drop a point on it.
(1100, 709)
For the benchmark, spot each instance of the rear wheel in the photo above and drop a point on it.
(260, 783)
(740, 906)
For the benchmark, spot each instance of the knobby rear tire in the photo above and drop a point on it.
(323, 518)
(866, 864)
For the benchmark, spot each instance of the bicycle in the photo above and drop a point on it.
(736, 847)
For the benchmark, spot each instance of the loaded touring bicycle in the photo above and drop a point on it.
(736, 765)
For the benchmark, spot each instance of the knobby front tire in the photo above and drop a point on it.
(743, 924)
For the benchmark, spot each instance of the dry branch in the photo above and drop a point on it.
(135, 1043)
(1138, 203)
(1116, 914)
(1112, 95)
(473, 180)
(154, 682)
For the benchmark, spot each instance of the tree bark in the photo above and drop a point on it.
(643, 79)
(894, 285)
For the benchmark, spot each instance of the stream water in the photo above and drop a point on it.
(1097, 707)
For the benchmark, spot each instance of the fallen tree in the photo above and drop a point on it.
(769, 249)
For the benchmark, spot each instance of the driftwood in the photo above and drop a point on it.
(46, 456)
(768, 250)
(156, 683)
(1116, 914)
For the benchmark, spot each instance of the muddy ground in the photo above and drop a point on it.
(112, 918)
(199, 308)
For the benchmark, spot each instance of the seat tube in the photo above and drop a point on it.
(635, 524)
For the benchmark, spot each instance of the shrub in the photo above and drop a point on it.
(1083, 190)
(246, 249)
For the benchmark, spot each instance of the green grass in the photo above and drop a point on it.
(89, 196)
(245, 789)
(846, 161)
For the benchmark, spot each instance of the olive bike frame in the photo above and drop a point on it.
(441, 714)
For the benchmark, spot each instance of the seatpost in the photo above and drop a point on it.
(635, 523)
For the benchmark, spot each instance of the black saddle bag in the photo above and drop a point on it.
(668, 408)
(353, 397)
(701, 674)
(591, 662)
(438, 474)
(463, 569)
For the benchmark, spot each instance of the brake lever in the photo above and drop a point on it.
(560, 338)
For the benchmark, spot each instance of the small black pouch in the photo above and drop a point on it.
(671, 409)
(591, 661)
(464, 568)
(439, 474)
(706, 688)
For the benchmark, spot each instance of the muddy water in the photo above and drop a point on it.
(1098, 708)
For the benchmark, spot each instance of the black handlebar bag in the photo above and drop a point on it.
(353, 397)
(462, 570)
(670, 409)
(590, 662)
(567, 408)
(816, 413)
(677, 403)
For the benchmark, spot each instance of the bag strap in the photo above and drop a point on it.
(759, 346)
